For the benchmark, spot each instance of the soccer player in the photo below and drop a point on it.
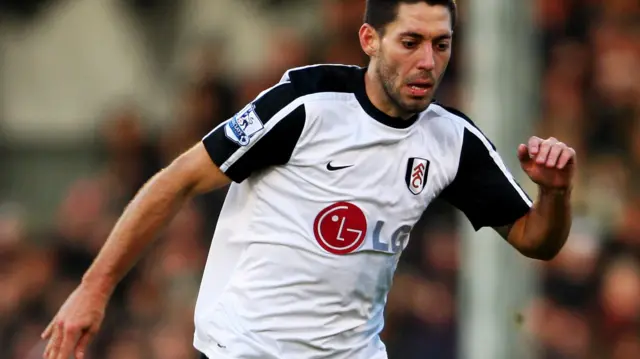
(330, 169)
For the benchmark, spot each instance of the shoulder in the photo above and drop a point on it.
(452, 114)
(300, 83)
(461, 121)
(322, 78)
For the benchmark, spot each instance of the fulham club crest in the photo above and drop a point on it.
(417, 171)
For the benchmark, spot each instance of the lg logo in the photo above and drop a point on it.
(398, 241)
(342, 228)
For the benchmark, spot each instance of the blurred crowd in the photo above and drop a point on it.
(589, 301)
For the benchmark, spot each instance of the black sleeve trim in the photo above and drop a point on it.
(256, 138)
(272, 150)
(482, 191)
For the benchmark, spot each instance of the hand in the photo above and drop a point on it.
(77, 321)
(549, 163)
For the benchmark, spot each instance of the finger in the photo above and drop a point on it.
(47, 331)
(69, 341)
(568, 155)
(543, 152)
(534, 145)
(54, 342)
(523, 153)
(47, 349)
(554, 153)
(83, 343)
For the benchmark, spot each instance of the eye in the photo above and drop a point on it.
(409, 44)
(443, 46)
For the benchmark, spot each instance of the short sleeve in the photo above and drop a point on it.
(263, 134)
(483, 188)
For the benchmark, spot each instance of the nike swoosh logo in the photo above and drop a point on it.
(336, 168)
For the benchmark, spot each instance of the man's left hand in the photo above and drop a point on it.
(549, 163)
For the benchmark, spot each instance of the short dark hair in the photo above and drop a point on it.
(380, 13)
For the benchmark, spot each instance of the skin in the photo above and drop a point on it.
(155, 205)
(415, 47)
(542, 233)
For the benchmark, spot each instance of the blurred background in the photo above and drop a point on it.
(97, 95)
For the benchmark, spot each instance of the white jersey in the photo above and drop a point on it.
(326, 191)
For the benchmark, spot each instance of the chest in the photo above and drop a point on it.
(357, 185)
(364, 161)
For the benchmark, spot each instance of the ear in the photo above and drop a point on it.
(369, 40)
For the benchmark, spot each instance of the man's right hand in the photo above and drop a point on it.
(75, 324)
(154, 206)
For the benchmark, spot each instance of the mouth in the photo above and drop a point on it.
(420, 89)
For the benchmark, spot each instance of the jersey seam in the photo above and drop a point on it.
(487, 144)
(308, 99)
(269, 125)
(460, 129)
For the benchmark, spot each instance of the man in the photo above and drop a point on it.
(331, 168)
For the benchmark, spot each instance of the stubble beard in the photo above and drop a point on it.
(388, 77)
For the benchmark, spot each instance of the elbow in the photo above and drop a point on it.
(544, 255)
(546, 251)
(172, 180)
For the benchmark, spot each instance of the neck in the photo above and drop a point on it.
(379, 98)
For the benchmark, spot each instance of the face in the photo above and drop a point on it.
(411, 57)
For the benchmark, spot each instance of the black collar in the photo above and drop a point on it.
(377, 114)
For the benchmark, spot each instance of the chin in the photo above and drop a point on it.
(416, 106)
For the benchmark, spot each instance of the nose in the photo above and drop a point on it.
(427, 60)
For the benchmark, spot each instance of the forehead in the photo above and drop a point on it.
(422, 18)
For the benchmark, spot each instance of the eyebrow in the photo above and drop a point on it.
(420, 36)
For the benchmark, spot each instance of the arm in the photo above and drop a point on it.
(151, 209)
(543, 231)
(486, 192)
(261, 135)
(80, 317)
